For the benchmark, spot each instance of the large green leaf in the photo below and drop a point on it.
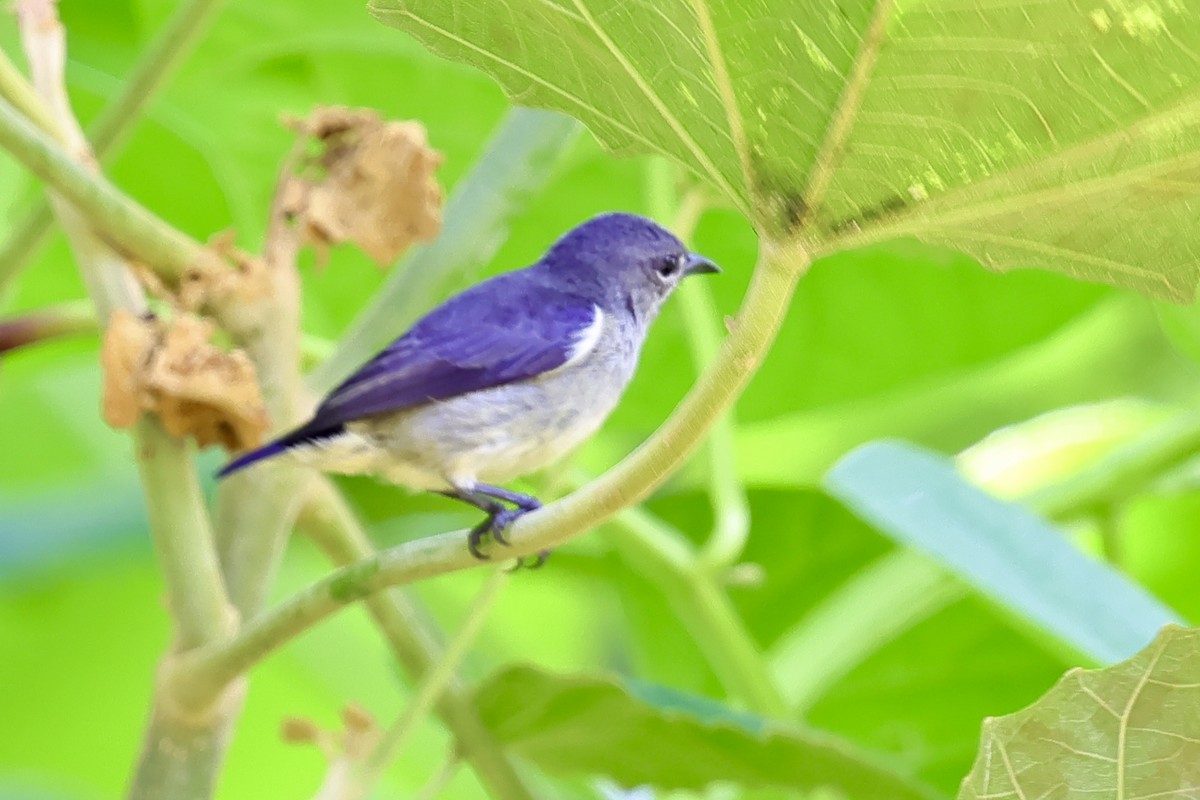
(1002, 549)
(652, 735)
(1129, 731)
(1060, 135)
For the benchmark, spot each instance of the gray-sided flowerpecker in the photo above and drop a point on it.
(503, 379)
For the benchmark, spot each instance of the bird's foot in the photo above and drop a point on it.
(532, 562)
(495, 525)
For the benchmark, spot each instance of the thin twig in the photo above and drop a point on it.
(78, 318)
(703, 608)
(121, 222)
(17, 90)
(171, 45)
(178, 520)
(255, 509)
(731, 510)
(440, 779)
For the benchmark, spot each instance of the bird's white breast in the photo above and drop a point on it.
(496, 434)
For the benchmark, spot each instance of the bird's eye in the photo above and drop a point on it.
(670, 266)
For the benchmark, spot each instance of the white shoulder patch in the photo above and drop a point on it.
(587, 339)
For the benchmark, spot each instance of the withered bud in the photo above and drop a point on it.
(173, 370)
(372, 184)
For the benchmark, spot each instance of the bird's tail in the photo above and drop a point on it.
(305, 433)
(254, 456)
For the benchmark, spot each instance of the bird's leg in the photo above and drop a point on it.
(524, 502)
(484, 497)
(487, 505)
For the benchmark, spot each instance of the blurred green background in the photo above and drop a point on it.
(901, 341)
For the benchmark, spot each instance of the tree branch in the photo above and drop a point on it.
(171, 45)
(731, 511)
(178, 520)
(703, 607)
(17, 90)
(204, 672)
(122, 223)
(180, 757)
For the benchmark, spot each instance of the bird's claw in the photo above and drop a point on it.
(531, 562)
(495, 525)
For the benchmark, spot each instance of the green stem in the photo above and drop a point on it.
(182, 537)
(771, 288)
(180, 755)
(17, 90)
(171, 45)
(122, 223)
(705, 331)
(333, 527)
(431, 687)
(179, 523)
(255, 508)
(440, 780)
(666, 556)
(731, 509)
(520, 159)
(169, 48)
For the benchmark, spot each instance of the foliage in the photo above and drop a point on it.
(1121, 729)
(905, 143)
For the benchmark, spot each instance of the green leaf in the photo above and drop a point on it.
(1005, 551)
(669, 739)
(1128, 731)
(1059, 135)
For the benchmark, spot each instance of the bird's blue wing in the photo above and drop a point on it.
(508, 329)
(499, 332)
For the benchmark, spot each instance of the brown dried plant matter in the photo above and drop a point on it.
(173, 370)
(354, 740)
(370, 183)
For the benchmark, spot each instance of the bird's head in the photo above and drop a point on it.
(624, 262)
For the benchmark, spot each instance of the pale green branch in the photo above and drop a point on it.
(18, 91)
(78, 318)
(703, 607)
(205, 672)
(179, 756)
(178, 520)
(871, 609)
(702, 321)
(122, 223)
(170, 46)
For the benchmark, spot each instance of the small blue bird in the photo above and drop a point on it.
(503, 379)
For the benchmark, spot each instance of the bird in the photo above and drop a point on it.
(502, 379)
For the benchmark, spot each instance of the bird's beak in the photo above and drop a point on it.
(699, 265)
